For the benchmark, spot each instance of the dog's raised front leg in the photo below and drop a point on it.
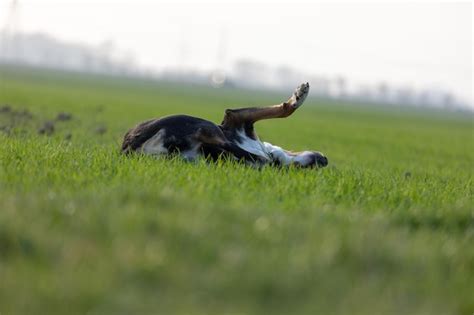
(236, 117)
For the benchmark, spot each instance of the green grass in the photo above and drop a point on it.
(387, 228)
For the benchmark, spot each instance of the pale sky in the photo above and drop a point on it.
(423, 45)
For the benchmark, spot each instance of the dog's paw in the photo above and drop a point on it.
(299, 95)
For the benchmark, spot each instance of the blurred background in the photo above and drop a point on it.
(398, 53)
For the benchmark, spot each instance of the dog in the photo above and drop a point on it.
(192, 137)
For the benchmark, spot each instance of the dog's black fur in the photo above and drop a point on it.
(182, 133)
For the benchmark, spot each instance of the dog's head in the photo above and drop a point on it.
(308, 159)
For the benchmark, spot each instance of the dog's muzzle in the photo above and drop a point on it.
(321, 160)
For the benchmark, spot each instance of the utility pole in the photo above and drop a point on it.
(10, 49)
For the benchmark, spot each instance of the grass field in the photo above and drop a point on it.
(387, 228)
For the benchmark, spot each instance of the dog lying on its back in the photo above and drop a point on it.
(192, 137)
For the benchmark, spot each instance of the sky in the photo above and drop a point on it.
(420, 45)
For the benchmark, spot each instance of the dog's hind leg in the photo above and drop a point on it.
(237, 117)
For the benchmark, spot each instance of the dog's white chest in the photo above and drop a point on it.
(253, 146)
